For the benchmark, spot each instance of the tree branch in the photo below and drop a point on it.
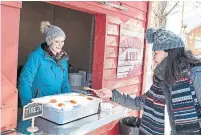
(166, 5)
(171, 9)
(155, 13)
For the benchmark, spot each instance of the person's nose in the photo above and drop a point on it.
(60, 44)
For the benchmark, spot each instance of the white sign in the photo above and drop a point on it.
(30, 111)
(113, 5)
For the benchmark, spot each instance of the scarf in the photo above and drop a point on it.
(184, 103)
(59, 56)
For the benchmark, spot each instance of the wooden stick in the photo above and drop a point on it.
(87, 88)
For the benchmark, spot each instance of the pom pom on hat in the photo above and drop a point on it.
(163, 39)
(51, 31)
(44, 25)
(150, 35)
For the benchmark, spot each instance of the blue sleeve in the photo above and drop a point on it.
(26, 79)
(66, 84)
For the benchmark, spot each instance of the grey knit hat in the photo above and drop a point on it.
(163, 39)
(51, 32)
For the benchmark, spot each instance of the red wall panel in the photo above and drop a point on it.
(10, 17)
(99, 48)
(106, 46)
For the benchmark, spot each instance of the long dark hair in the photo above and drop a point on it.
(176, 57)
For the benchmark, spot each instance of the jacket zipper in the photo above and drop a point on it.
(53, 72)
(37, 93)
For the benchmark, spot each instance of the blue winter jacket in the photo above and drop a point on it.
(42, 76)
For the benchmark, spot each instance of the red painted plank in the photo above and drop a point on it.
(118, 83)
(102, 6)
(112, 29)
(139, 14)
(111, 52)
(115, 129)
(132, 12)
(112, 40)
(133, 24)
(133, 89)
(97, 8)
(110, 74)
(80, 6)
(9, 93)
(116, 2)
(110, 63)
(99, 48)
(146, 50)
(10, 19)
(136, 4)
(8, 118)
(112, 19)
(17, 4)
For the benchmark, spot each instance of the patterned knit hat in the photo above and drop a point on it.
(163, 39)
(51, 32)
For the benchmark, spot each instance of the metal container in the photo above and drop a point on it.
(129, 126)
(70, 111)
(76, 79)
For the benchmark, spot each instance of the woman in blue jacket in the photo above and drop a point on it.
(46, 69)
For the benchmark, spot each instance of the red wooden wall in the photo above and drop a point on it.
(114, 35)
(10, 17)
(130, 84)
(106, 47)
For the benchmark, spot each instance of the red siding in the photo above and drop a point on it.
(10, 15)
(106, 47)
(99, 47)
(148, 24)
(132, 84)
(142, 6)
(138, 11)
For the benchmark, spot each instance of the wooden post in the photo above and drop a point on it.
(99, 52)
(146, 52)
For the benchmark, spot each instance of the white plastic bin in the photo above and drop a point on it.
(75, 79)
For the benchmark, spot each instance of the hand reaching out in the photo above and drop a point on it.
(104, 93)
